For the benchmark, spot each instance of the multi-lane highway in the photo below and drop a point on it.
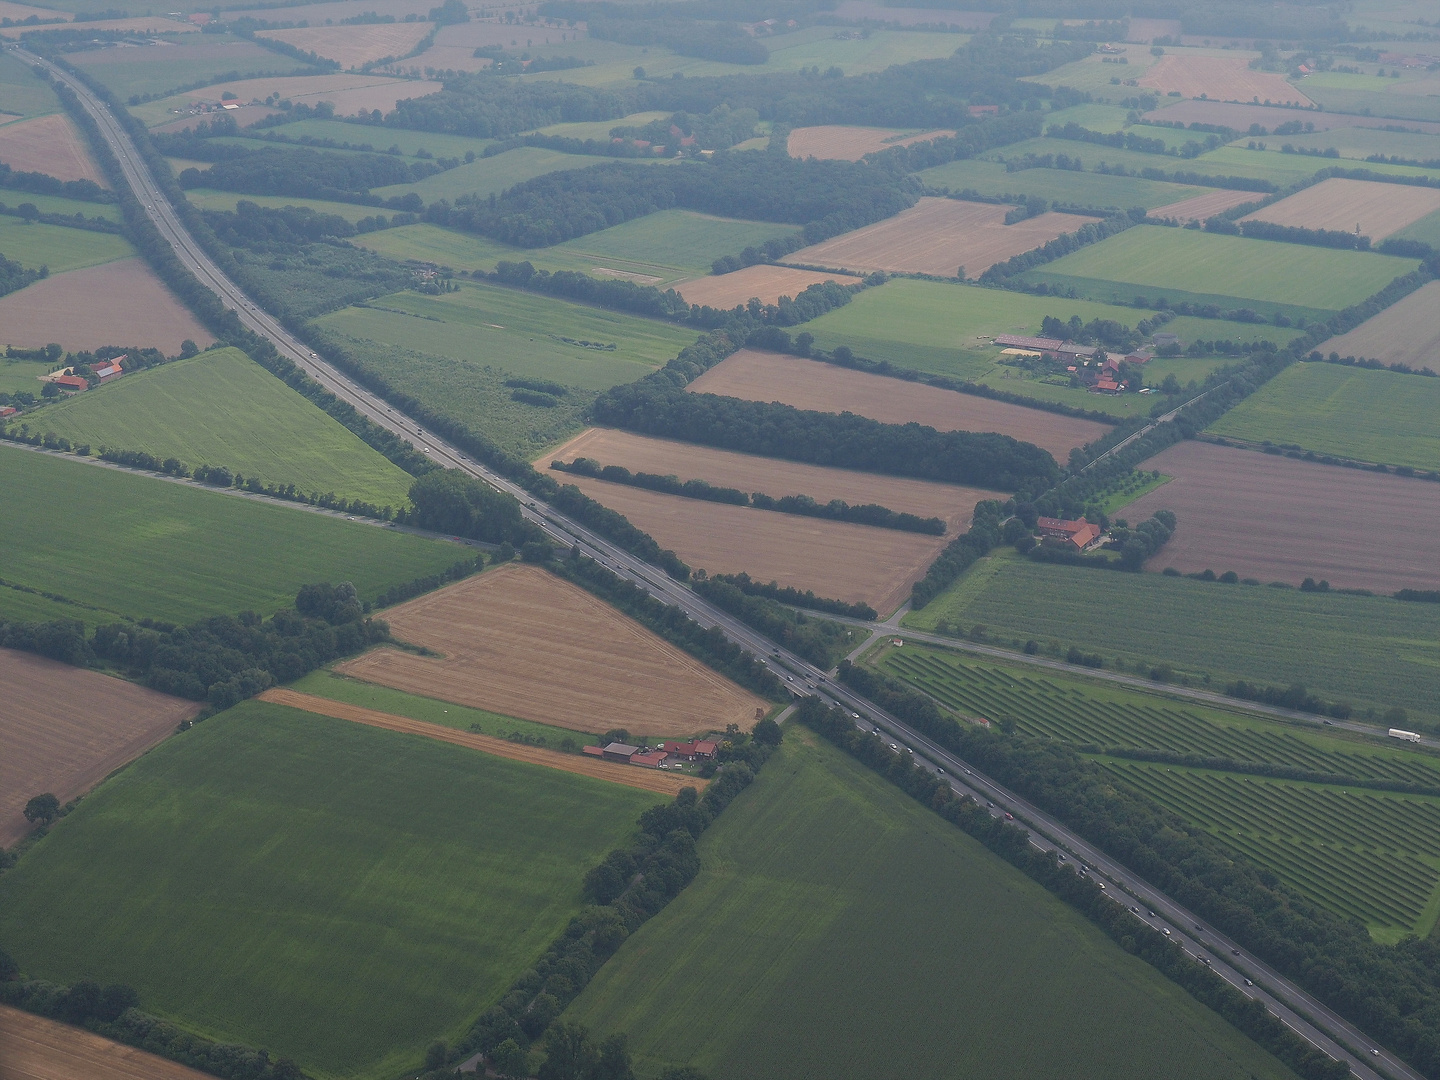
(1306, 1016)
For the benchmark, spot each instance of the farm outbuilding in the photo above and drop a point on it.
(620, 752)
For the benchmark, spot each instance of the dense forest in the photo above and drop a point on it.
(306, 173)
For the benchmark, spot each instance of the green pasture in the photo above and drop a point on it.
(22, 375)
(518, 331)
(1376, 416)
(209, 199)
(492, 175)
(1124, 492)
(57, 204)
(1284, 169)
(382, 139)
(175, 65)
(1362, 854)
(1361, 142)
(34, 245)
(1379, 102)
(812, 944)
(1058, 185)
(600, 129)
(1172, 262)
(1096, 117)
(262, 428)
(1186, 369)
(1426, 230)
(120, 545)
(448, 247)
(337, 894)
(22, 93)
(1372, 651)
(1092, 76)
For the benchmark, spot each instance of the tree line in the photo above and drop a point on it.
(1289, 234)
(960, 554)
(785, 594)
(38, 183)
(819, 641)
(315, 174)
(13, 276)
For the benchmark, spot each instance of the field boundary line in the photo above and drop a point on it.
(629, 775)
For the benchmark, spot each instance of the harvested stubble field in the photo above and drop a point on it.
(349, 94)
(1407, 332)
(855, 563)
(810, 384)
(65, 729)
(613, 771)
(939, 236)
(520, 641)
(726, 468)
(50, 145)
(120, 302)
(843, 143)
(351, 46)
(1373, 209)
(1225, 78)
(34, 1048)
(1201, 207)
(1275, 518)
(769, 283)
(140, 25)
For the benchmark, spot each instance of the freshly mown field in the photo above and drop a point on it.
(33, 244)
(1276, 518)
(1374, 652)
(1367, 207)
(65, 729)
(822, 870)
(522, 642)
(39, 1049)
(1260, 274)
(809, 384)
(838, 142)
(523, 333)
(349, 894)
(50, 145)
(1223, 78)
(121, 545)
(1407, 332)
(1200, 207)
(1057, 185)
(279, 436)
(1366, 415)
(941, 237)
(763, 282)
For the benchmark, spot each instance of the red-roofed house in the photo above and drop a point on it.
(7, 410)
(71, 382)
(683, 750)
(1106, 386)
(1060, 527)
(705, 749)
(594, 751)
(1085, 537)
(653, 760)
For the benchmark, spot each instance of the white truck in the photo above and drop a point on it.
(1407, 736)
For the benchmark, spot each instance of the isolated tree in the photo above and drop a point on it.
(435, 1056)
(42, 809)
(767, 732)
(188, 348)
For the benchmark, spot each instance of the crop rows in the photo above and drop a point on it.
(1374, 857)
(1044, 708)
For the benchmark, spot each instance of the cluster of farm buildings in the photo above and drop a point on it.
(1077, 535)
(68, 378)
(1097, 369)
(668, 754)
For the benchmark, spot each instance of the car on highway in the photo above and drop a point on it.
(1166, 931)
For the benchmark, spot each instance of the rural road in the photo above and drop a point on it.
(1304, 1015)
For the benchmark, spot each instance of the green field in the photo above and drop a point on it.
(1426, 230)
(22, 375)
(1376, 416)
(1058, 185)
(437, 143)
(946, 329)
(279, 436)
(116, 544)
(1281, 168)
(492, 175)
(177, 66)
(209, 199)
(334, 893)
(57, 204)
(1260, 274)
(518, 331)
(34, 245)
(1372, 651)
(838, 928)
(22, 94)
(600, 129)
(1381, 101)
(1360, 142)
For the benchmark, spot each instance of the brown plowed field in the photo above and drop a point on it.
(769, 283)
(65, 729)
(1200, 207)
(1407, 332)
(1223, 78)
(809, 384)
(855, 563)
(519, 641)
(1378, 209)
(840, 143)
(116, 303)
(34, 1048)
(351, 46)
(1278, 519)
(50, 145)
(630, 775)
(938, 236)
(725, 468)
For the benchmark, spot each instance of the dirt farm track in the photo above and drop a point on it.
(33, 1048)
(520, 641)
(1279, 519)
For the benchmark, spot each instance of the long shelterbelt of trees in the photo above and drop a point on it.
(307, 173)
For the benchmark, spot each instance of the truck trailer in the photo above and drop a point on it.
(1407, 736)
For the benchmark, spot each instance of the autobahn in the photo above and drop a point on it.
(1306, 1016)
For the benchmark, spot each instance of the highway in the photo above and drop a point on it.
(1311, 1020)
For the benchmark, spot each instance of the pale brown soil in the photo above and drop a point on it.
(348, 93)
(24, 11)
(939, 236)
(143, 25)
(34, 1048)
(50, 145)
(351, 46)
(116, 303)
(841, 143)
(768, 283)
(1407, 332)
(1146, 31)
(1223, 78)
(1200, 207)
(519, 641)
(725, 468)
(1377, 209)
(808, 384)
(65, 729)
(630, 775)
(1278, 519)
(874, 10)
(234, 52)
(855, 563)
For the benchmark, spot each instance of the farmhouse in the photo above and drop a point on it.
(71, 382)
(652, 760)
(1078, 535)
(621, 752)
